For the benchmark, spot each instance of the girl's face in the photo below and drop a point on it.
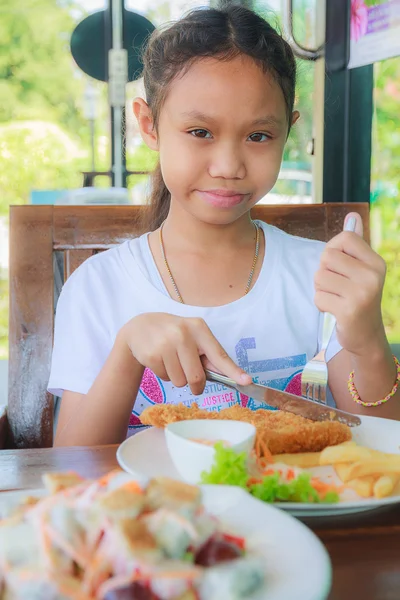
(221, 135)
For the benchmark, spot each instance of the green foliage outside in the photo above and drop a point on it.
(45, 143)
(374, 2)
(385, 209)
(3, 314)
(36, 76)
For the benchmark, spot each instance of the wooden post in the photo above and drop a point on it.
(30, 407)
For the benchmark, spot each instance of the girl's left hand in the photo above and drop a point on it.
(349, 284)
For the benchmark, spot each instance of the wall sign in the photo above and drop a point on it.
(374, 31)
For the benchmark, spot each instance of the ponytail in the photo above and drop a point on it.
(160, 198)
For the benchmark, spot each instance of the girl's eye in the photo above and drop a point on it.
(258, 137)
(200, 133)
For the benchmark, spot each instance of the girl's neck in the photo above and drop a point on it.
(190, 234)
(210, 264)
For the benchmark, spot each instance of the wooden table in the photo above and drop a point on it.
(364, 548)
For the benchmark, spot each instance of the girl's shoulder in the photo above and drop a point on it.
(295, 258)
(109, 268)
(288, 243)
(290, 240)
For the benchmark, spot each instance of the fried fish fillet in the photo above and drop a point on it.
(281, 432)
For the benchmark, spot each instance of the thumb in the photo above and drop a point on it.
(353, 222)
(207, 364)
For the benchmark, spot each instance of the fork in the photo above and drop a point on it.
(314, 378)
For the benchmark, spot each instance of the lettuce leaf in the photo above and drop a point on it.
(230, 468)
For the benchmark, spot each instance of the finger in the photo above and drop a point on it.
(327, 302)
(174, 369)
(335, 261)
(352, 245)
(333, 283)
(215, 353)
(158, 368)
(338, 262)
(353, 222)
(189, 358)
(209, 365)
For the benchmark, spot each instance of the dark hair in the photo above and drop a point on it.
(209, 32)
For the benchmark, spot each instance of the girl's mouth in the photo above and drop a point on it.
(222, 198)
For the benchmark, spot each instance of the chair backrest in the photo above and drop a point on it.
(47, 243)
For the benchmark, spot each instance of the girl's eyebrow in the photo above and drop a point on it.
(268, 120)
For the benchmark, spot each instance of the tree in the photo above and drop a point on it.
(37, 74)
(36, 155)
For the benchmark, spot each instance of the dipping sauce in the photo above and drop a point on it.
(211, 442)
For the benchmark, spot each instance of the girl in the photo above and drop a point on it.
(208, 286)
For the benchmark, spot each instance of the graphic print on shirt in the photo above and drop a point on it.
(153, 392)
(283, 373)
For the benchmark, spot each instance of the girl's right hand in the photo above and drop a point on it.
(177, 349)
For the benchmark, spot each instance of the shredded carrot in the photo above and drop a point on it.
(271, 472)
(71, 593)
(262, 451)
(95, 573)
(46, 543)
(253, 481)
(290, 475)
(80, 558)
(132, 486)
(105, 480)
(323, 488)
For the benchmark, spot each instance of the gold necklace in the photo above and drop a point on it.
(253, 266)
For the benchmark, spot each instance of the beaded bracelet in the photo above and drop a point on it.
(356, 396)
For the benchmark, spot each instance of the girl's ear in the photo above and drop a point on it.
(145, 120)
(295, 116)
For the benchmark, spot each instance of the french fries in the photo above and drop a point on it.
(344, 454)
(306, 460)
(342, 471)
(375, 466)
(368, 472)
(384, 485)
(363, 486)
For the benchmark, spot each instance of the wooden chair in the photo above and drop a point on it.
(47, 243)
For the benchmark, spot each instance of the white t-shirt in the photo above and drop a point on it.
(271, 332)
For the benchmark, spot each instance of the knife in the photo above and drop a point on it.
(288, 402)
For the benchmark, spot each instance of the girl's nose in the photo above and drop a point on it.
(227, 162)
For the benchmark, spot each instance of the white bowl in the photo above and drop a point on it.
(191, 458)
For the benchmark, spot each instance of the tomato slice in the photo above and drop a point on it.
(237, 541)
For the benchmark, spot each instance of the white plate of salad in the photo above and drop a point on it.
(310, 492)
(113, 538)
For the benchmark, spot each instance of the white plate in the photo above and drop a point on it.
(145, 455)
(288, 546)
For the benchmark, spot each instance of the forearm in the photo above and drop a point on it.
(375, 374)
(103, 415)
(374, 377)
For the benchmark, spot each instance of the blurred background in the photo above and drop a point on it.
(55, 127)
